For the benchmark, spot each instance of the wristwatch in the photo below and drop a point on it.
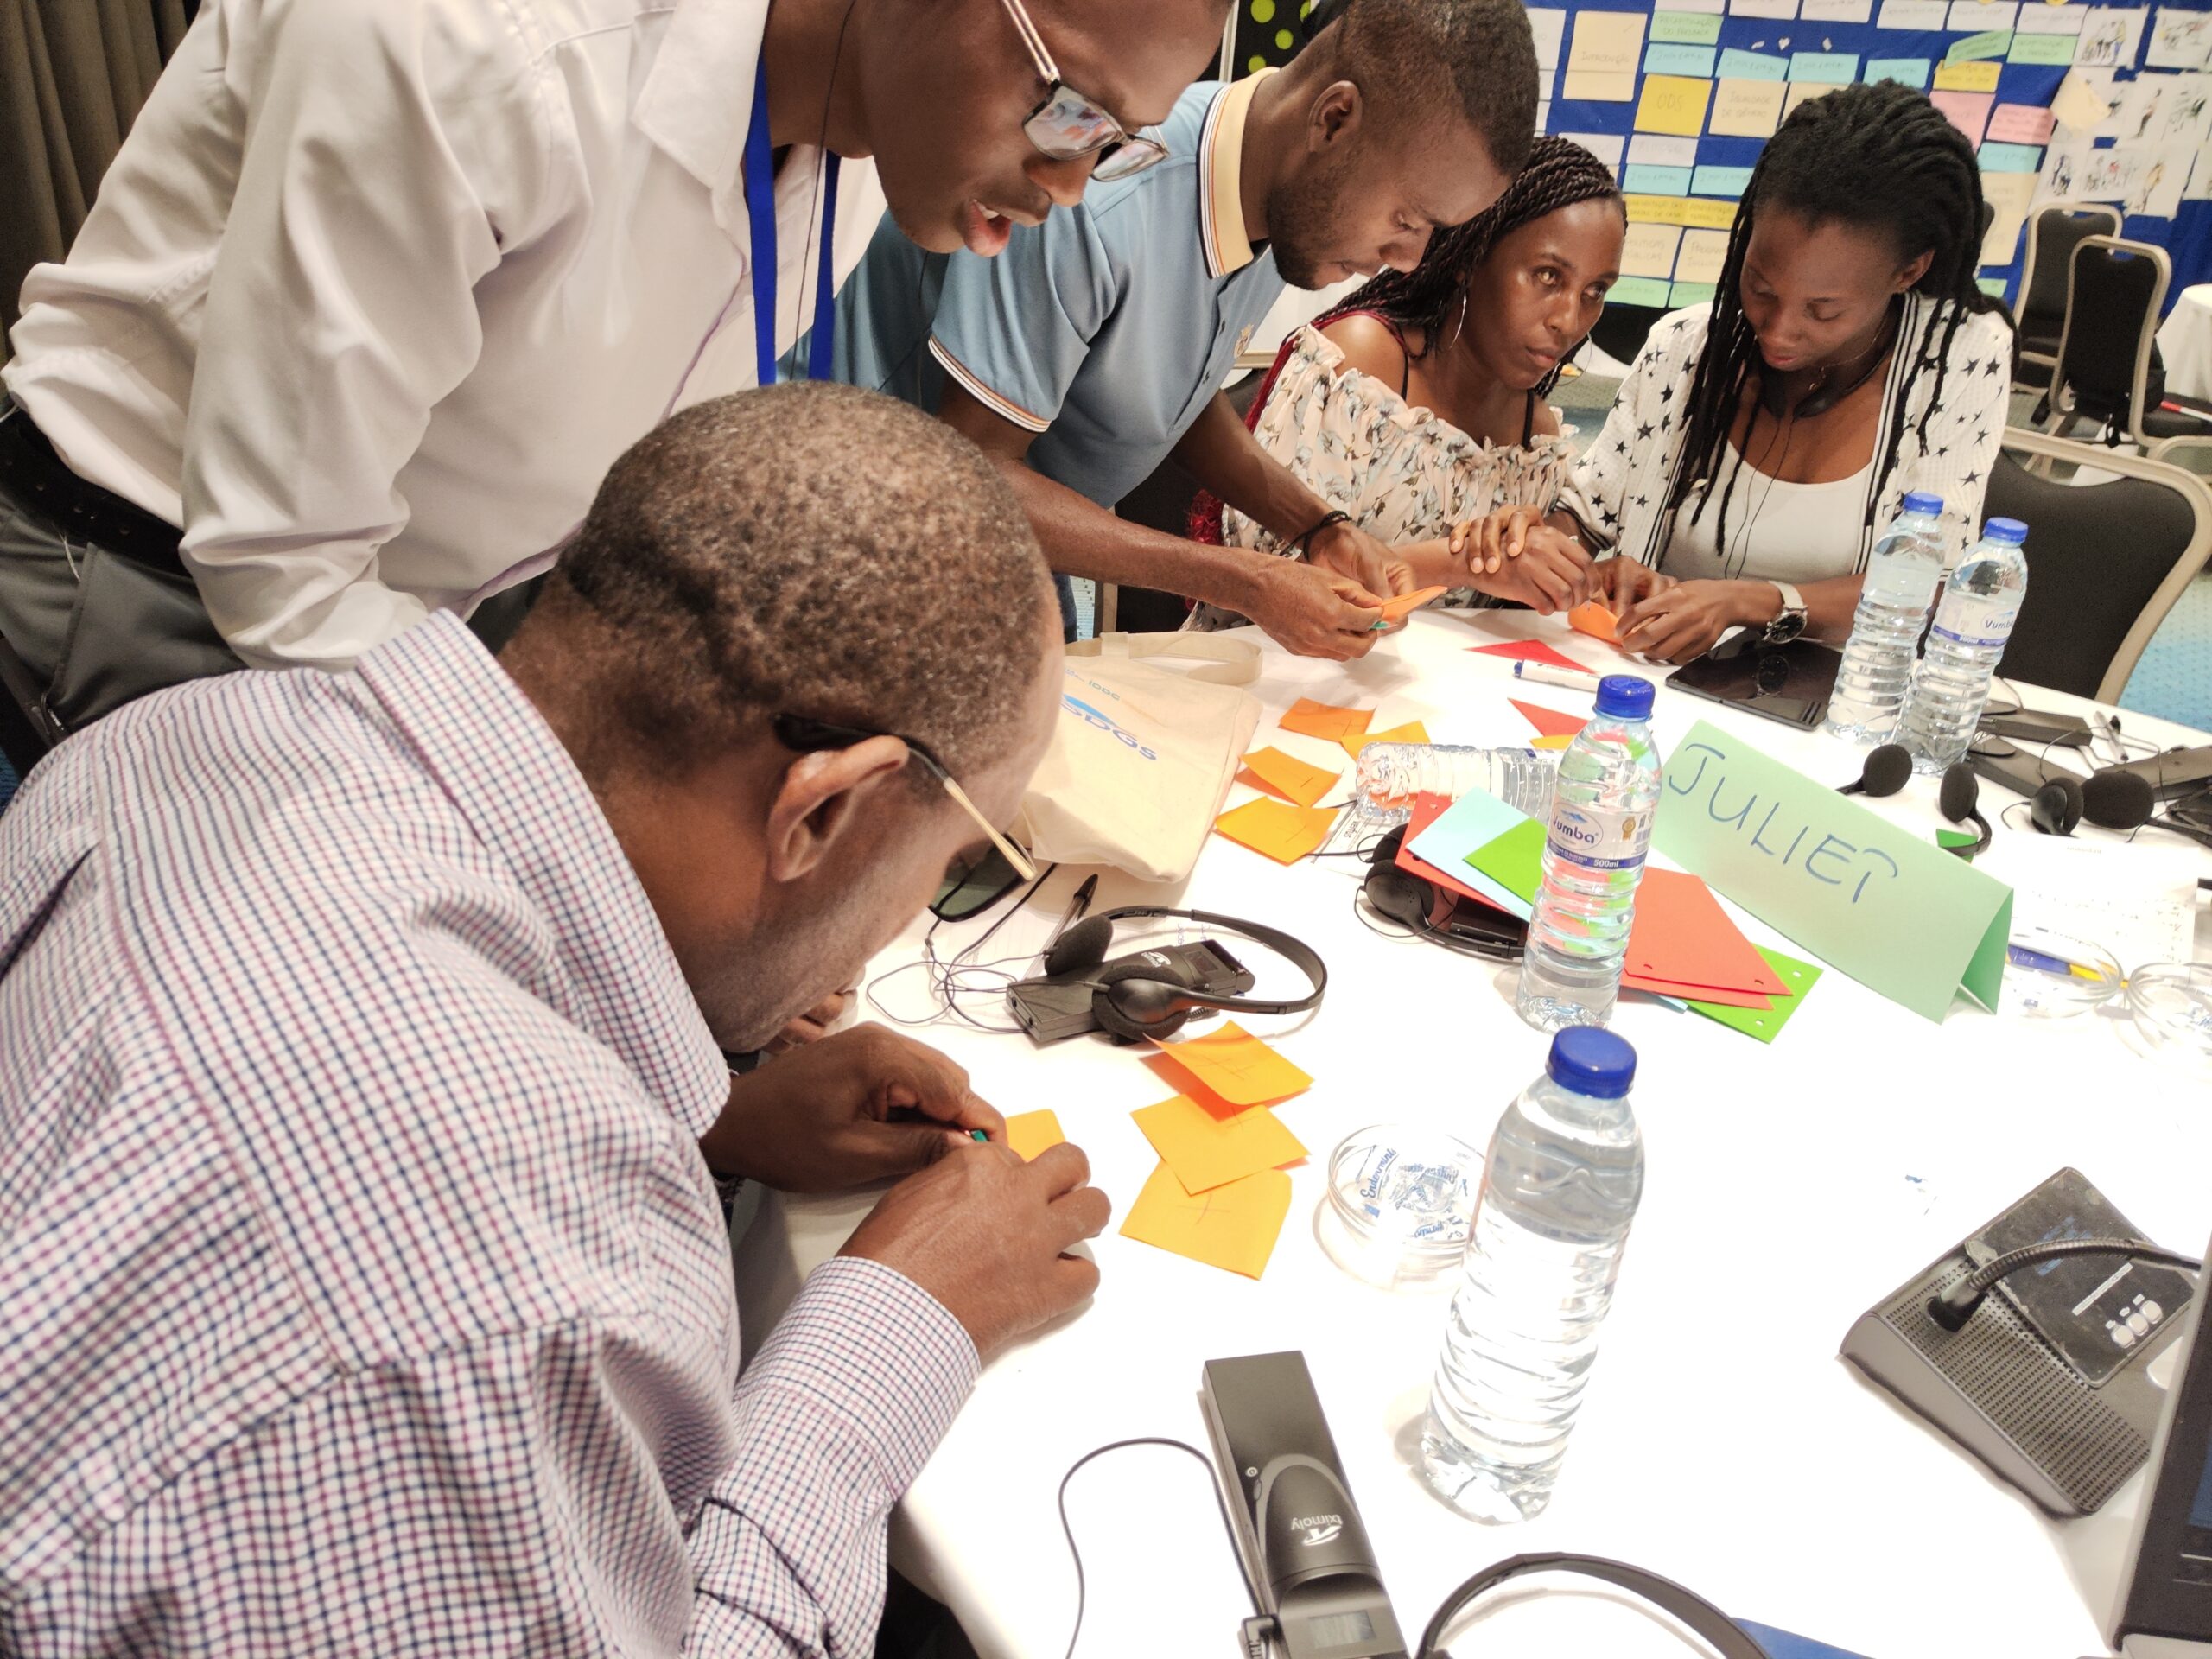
(1789, 622)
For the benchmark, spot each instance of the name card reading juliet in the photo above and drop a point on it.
(1895, 912)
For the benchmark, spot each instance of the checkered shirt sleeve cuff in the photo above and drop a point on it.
(859, 1382)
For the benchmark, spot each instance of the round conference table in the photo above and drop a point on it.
(2185, 343)
(1721, 1442)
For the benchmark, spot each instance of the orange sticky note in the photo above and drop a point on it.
(1234, 1227)
(1552, 722)
(1236, 1065)
(1285, 833)
(1031, 1132)
(1595, 619)
(1406, 604)
(1288, 776)
(1325, 720)
(1556, 740)
(1207, 1150)
(1412, 731)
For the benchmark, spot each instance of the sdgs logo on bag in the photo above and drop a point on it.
(1107, 723)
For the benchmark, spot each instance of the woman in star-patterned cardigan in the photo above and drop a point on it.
(1847, 357)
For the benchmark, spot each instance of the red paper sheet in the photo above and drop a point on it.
(1719, 994)
(1427, 810)
(1528, 650)
(1681, 937)
(1549, 723)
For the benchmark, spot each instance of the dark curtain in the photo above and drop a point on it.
(73, 74)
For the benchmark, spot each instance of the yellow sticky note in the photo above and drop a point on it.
(1606, 43)
(1649, 250)
(1207, 1151)
(1412, 731)
(1559, 740)
(1703, 254)
(1288, 776)
(1236, 1065)
(1285, 833)
(1746, 109)
(1706, 213)
(1979, 75)
(1673, 103)
(1031, 1132)
(1234, 1227)
(1804, 92)
(1596, 85)
(1327, 720)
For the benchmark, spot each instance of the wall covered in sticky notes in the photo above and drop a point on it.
(1704, 83)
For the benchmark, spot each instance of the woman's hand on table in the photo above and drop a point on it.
(1619, 583)
(1685, 619)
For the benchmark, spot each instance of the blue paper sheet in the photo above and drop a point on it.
(1471, 821)
(1736, 64)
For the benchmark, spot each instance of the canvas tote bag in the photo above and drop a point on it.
(1153, 728)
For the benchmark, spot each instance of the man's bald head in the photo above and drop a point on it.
(809, 549)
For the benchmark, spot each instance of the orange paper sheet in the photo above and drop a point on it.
(1550, 721)
(1031, 1132)
(1427, 810)
(1285, 833)
(1681, 936)
(1327, 720)
(1236, 1065)
(1233, 1227)
(1406, 604)
(1412, 731)
(1288, 776)
(1207, 1150)
(1560, 742)
(1595, 619)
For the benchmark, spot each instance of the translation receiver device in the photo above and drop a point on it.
(1297, 1529)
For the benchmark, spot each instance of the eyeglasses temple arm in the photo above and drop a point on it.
(1033, 41)
(1014, 855)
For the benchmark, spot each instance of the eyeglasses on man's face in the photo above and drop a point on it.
(1065, 126)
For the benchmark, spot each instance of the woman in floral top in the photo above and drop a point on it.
(1419, 403)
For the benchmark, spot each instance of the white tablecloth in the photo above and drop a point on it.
(1721, 1443)
(2185, 342)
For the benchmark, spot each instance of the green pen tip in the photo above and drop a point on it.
(977, 1134)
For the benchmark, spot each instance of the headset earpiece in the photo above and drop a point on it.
(1398, 896)
(1082, 948)
(1135, 1000)
(2056, 808)
(1961, 801)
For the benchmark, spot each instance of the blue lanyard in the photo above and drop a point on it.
(760, 209)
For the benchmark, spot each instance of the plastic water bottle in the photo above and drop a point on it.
(1565, 1171)
(1900, 578)
(1981, 603)
(1593, 858)
(1391, 774)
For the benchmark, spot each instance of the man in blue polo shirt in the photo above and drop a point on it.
(1096, 343)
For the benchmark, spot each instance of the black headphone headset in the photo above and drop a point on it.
(1410, 902)
(1132, 1001)
(1961, 801)
(1697, 1615)
(1888, 769)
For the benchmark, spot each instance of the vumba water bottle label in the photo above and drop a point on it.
(1973, 624)
(1601, 841)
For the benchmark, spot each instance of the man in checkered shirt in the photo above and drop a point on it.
(363, 1288)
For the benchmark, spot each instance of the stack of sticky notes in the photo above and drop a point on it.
(1327, 720)
(1287, 777)
(1283, 830)
(1219, 1195)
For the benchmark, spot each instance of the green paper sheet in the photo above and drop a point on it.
(1515, 860)
(1947, 839)
(1896, 912)
(1639, 290)
(1990, 43)
(1766, 1024)
(2042, 48)
(1689, 28)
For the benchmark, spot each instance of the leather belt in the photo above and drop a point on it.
(39, 479)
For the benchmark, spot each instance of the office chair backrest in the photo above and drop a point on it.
(2105, 561)
(2054, 232)
(2112, 324)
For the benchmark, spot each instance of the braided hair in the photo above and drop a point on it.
(1878, 155)
(1559, 174)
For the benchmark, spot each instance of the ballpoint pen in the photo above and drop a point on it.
(1077, 907)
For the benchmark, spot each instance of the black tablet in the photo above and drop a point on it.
(1790, 683)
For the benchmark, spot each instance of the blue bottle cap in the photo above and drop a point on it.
(1591, 1060)
(1922, 501)
(2010, 532)
(1625, 697)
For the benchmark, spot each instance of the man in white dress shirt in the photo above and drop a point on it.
(377, 289)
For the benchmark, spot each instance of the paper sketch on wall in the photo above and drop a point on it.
(2110, 36)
